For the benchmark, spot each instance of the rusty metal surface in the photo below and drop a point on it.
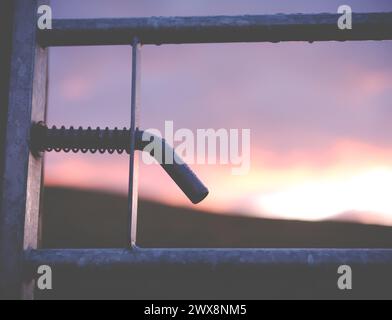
(217, 29)
(21, 181)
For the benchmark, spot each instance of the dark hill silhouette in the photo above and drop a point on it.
(77, 218)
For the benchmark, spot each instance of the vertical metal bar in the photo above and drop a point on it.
(6, 21)
(133, 157)
(21, 181)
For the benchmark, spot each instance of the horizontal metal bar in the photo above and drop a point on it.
(212, 273)
(208, 257)
(215, 29)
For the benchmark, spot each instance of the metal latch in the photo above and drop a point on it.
(114, 140)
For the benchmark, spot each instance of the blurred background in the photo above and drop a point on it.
(321, 156)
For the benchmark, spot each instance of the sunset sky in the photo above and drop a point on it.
(319, 114)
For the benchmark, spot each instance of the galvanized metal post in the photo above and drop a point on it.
(21, 181)
(6, 22)
(133, 157)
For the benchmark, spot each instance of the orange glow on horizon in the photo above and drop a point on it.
(350, 179)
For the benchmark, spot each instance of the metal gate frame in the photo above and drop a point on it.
(25, 102)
